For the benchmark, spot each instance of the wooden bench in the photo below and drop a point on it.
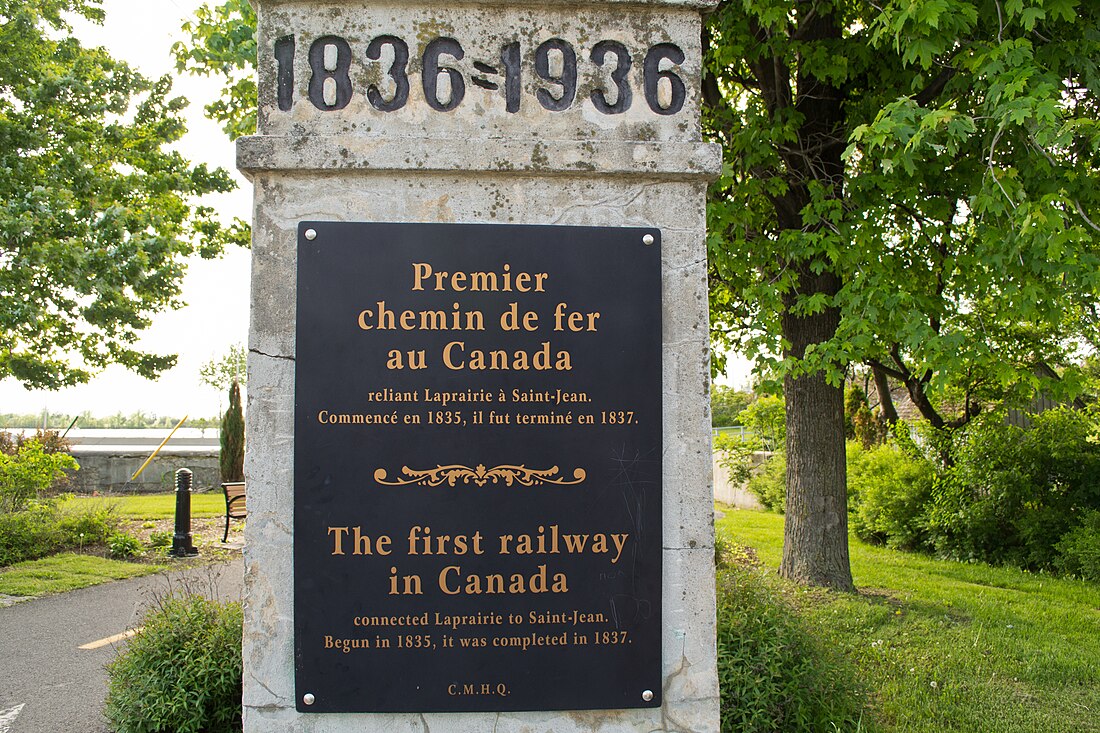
(234, 504)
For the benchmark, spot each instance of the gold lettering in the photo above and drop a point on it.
(499, 360)
(573, 320)
(447, 355)
(495, 583)
(510, 319)
(385, 316)
(479, 282)
(421, 272)
(538, 580)
(443, 586)
(411, 584)
(456, 358)
(338, 547)
(363, 544)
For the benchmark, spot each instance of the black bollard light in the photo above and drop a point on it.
(181, 540)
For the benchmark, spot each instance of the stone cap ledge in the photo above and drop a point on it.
(666, 160)
(704, 5)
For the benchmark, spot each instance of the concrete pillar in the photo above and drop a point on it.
(551, 128)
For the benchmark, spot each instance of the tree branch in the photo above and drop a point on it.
(876, 364)
(925, 96)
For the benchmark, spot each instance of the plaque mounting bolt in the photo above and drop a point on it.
(647, 239)
(308, 698)
(647, 695)
(311, 234)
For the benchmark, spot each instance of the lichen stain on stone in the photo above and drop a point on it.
(374, 73)
(499, 202)
(539, 157)
(648, 25)
(426, 31)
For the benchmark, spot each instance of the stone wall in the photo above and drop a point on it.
(111, 472)
(735, 495)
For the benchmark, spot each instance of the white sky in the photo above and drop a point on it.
(141, 32)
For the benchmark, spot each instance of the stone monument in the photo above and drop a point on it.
(478, 460)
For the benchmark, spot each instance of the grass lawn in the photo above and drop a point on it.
(947, 646)
(67, 571)
(159, 506)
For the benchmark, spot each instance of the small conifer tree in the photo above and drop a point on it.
(232, 438)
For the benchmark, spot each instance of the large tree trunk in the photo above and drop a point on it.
(815, 532)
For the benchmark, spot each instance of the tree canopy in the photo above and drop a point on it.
(726, 405)
(97, 214)
(912, 185)
(960, 219)
(223, 43)
(228, 369)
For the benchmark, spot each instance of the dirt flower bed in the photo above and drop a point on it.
(206, 535)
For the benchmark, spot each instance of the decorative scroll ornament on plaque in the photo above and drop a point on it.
(480, 475)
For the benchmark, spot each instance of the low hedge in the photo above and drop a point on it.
(182, 672)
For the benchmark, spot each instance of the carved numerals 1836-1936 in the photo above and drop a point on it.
(555, 61)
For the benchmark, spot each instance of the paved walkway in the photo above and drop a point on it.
(52, 685)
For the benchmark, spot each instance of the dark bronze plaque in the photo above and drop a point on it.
(477, 468)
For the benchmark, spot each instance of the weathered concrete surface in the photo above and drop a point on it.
(480, 28)
(478, 164)
(103, 471)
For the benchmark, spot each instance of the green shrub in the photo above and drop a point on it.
(728, 553)
(774, 673)
(722, 549)
(860, 423)
(1079, 549)
(29, 474)
(121, 546)
(50, 440)
(158, 540)
(28, 534)
(888, 495)
(181, 673)
(870, 430)
(45, 527)
(1013, 493)
(81, 525)
(769, 485)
